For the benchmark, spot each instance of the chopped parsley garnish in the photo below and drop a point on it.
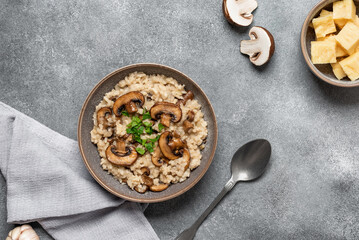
(125, 113)
(140, 150)
(160, 127)
(136, 128)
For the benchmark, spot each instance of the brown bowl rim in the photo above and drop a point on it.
(133, 199)
(338, 83)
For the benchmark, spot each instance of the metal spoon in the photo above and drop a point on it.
(248, 163)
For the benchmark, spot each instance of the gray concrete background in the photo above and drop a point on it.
(53, 52)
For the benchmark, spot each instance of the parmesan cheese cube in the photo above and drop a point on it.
(323, 52)
(350, 66)
(338, 71)
(323, 26)
(348, 37)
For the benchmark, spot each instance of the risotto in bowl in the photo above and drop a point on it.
(151, 133)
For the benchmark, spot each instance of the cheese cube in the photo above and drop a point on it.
(338, 71)
(339, 50)
(344, 10)
(323, 52)
(325, 13)
(323, 26)
(348, 37)
(356, 20)
(350, 66)
(340, 22)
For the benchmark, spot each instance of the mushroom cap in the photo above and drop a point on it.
(167, 150)
(166, 108)
(239, 12)
(158, 188)
(122, 159)
(261, 46)
(128, 99)
(156, 157)
(101, 115)
(187, 157)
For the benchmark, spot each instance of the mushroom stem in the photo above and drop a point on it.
(131, 107)
(121, 146)
(166, 120)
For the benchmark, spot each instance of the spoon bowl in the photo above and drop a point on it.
(250, 160)
(248, 163)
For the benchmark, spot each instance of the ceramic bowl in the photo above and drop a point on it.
(323, 71)
(89, 150)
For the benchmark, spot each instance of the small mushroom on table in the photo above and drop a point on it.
(239, 12)
(261, 46)
(128, 102)
(102, 115)
(120, 154)
(167, 112)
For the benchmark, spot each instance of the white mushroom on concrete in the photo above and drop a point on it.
(261, 46)
(239, 12)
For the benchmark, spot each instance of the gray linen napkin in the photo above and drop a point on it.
(47, 182)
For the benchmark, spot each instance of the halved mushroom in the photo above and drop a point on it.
(120, 154)
(159, 188)
(261, 46)
(128, 101)
(186, 156)
(167, 112)
(157, 157)
(141, 188)
(188, 96)
(190, 116)
(187, 125)
(239, 12)
(171, 147)
(102, 115)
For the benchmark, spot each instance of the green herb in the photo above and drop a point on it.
(140, 150)
(146, 115)
(155, 139)
(160, 127)
(149, 146)
(149, 130)
(125, 113)
(136, 128)
(147, 124)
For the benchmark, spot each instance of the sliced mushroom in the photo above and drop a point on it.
(121, 155)
(261, 46)
(239, 12)
(145, 171)
(128, 102)
(147, 180)
(186, 156)
(158, 188)
(187, 125)
(156, 157)
(188, 96)
(190, 116)
(141, 188)
(102, 115)
(171, 147)
(167, 112)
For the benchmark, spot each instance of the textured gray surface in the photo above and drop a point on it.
(53, 52)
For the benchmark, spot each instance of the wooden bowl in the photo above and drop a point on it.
(323, 71)
(89, 150)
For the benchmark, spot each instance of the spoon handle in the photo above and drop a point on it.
(191, 232)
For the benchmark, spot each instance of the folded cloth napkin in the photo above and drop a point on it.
(47, 182)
